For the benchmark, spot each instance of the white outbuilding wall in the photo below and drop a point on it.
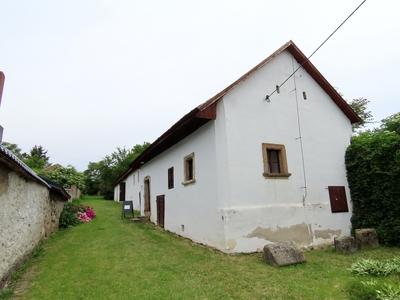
(232, 206)
(190, 210)
(258, 209)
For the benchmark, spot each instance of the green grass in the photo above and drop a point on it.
(111, 258)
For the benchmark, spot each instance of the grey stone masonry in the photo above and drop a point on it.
(366, 238)
(282, 254)
(345, 244)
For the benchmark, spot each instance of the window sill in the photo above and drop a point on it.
(187, 182)
(274, 175)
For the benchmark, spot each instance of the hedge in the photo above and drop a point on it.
(373, 171)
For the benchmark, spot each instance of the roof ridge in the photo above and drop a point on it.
(210, 103)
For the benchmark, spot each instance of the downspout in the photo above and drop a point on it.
(300, 139)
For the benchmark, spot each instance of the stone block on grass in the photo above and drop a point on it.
(366, 238)
(345, 244)
(282, 254)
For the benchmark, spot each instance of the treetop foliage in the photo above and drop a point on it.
(360, 107)
(101, 175)
(38, 160)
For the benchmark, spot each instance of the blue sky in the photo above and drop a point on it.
(83, 77)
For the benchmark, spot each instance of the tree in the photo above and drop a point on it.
(360, 107)
(37, 158)
(93, 178)
(64, 176)
(13, 148)
(391, 123)
(101, 175)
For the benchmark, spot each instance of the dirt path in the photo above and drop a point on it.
(25, 282)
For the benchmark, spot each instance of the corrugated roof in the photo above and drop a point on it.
(17, 165)
(14, 161)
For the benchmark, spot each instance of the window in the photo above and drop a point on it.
(171, 178)
(275, 164)
(188, 169)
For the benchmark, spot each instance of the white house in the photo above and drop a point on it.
(242, 170)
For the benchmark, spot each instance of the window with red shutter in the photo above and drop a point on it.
(337, 196)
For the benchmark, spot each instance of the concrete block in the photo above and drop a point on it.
(366, 238)
(345, 244)
(282, 254)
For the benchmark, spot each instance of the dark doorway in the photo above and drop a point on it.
(147, 207)
(122, 188)
(160, 210)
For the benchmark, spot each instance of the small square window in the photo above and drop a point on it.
(171, 178)
(188, 169)
(275, 163)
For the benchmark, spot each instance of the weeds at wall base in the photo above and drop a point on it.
(8, 284)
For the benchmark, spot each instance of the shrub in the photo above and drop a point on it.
(373, 171)
(6, 293)
(68, 216)
(373, 290)
(74, 214)
(376, 267)
(388, 292)
(362, 290)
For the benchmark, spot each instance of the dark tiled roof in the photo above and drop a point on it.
(207, 110)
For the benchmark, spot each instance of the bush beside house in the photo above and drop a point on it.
(373, 170)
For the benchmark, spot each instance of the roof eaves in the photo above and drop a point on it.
(301, 59)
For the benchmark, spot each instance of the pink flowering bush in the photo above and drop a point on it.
(90, 213)
(82, 216)
(86, 214)
(74, 214)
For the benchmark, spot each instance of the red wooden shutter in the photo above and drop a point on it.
(337, 195)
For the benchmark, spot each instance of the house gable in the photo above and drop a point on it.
(207, 110)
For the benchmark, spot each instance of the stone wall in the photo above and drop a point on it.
(74, 192)
(29, 213)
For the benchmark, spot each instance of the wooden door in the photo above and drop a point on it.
(122, 189)
(160, 210)
(147, 190)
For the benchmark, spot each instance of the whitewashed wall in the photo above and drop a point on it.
(28, 214)
(256, 209)
(232, 206)
(116, 193)
(194, 206)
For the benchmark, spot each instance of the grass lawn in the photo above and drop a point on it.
(113, 259)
